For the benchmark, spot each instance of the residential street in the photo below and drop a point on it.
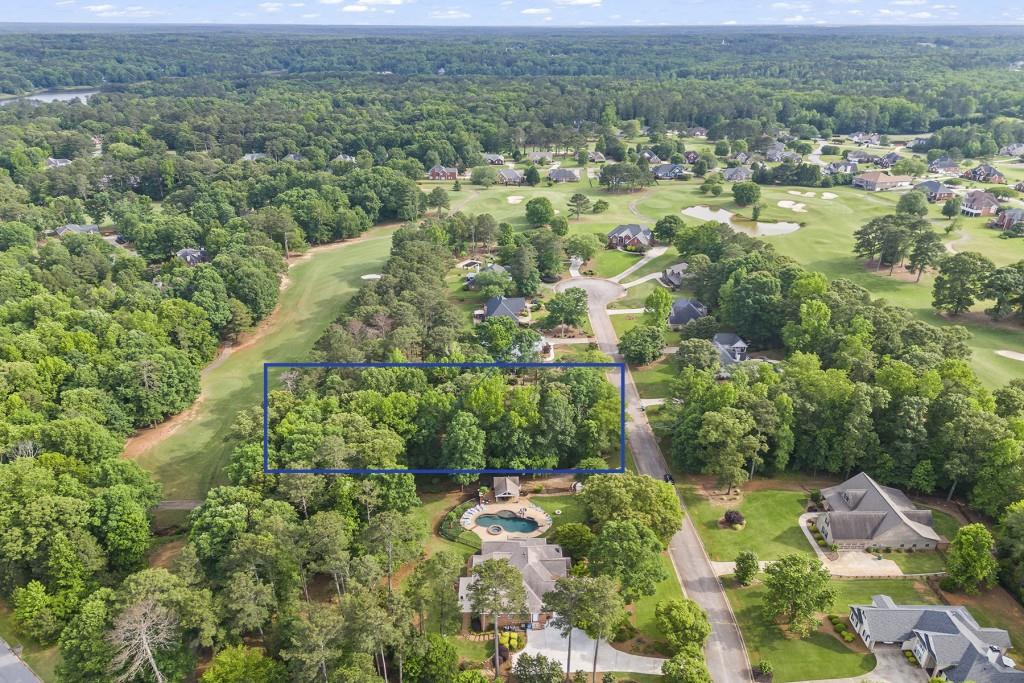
(725, 652)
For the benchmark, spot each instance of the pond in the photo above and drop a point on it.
(509, 521)
(706, 213)
(47, 96)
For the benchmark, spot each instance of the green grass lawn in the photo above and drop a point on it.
(611, 262)
(657, 264)
(570, 505)
(191, 460)
(636, 296)
(624, 322)
(43, 660)
(655, 380)
(918, 563)
(771, 530)
(820, 655)
(945, 523)
(666, 590)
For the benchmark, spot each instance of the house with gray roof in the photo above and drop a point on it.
(505, 306)
(596, 157)
(563, 175)
(1010, 219)
(860, 156)
(510, 176)
(673, 276)
(57, 163)
(669, 171)
(944, 165)
(731, 348)
(254, 156)
(945, 639)
(889, 160)
(75, 229)
(737, 174)
(775, 151)
(935, 190)
(190, 256)
(293, 157)
(631, 236)
(986, 173)
(494, 159)
(979, 203)
(506, 489)
(840, 167)
(540, 157)
(344, 157)
(540, 563)
(861, 513)
(684, 310)
(439, 172)
(1014, 150)
(651, 157)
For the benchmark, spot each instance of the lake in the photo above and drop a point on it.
(47, 96)
(706, 213)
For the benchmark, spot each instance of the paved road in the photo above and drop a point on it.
(550, 643)
(725, 652)
(12, 669)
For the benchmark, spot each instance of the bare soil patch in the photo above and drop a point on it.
(900, 273)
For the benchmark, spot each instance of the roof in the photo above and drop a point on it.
(539, 562)
(932, 187)
(77, 229)
(191, 256)
(506, 486)
(737, 173)
(881, 176)
(632, 230)
(960, 648)
(493, 157)
(509, 307)
(979, 199)
(728, 339)
(562, 174)
(510, 174)
(985, 169)
(534, 156)
(676, 273)
(684, 310)
(861, 508)
(438, 168)
(944, 162)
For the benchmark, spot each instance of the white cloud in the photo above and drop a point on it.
(296, 4)
(586, 3)
(536, 10)
(270, 6)
(451, 13)
(331, 2)
(62, 3)
(354, 8)
(922, 15)
(795, 19)
(380, 2)
(910, 2)
(802, 6)
(730, 22)
(99, 8)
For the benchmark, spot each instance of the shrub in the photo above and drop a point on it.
(821, 542)
(733, 517)
(816, 495)
(624, 631)
(765, 668)
(948, 584)
(848, 637)
(833, 547)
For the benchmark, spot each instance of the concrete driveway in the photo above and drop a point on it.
(725, 651)
(550, 643)
(890, 667)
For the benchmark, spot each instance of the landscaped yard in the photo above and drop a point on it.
(655, 380)
(667, 590)
(611, 262)
(945, 524)
(925, 562)
(571, 508)
(820, 655)
(637, 295)
(771, 530)
(624, 322)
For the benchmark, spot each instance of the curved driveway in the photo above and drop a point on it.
(725, 652)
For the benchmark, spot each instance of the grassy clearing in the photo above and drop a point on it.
(945, 523)
(635, 296)
(43, 660)
(611, 262)
(644, 608)
(655, 380)
(626, 321)
(918, 563)
(571, 508)
(771, 530)
(657, 264)
(191, 460)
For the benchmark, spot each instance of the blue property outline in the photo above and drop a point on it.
(621, 367)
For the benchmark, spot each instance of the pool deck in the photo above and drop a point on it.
(523, 508)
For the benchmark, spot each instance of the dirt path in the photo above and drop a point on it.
(963, 239)
(635, 211)
(147, 438)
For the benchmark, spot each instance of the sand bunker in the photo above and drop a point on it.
(828, 195)
(796, 193)
(515, 199)
(371, 276)
(796, 207)
(1014, 355)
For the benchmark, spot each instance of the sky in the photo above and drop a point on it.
(580, 13)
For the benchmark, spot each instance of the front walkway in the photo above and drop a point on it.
(651, 253)
(550, 643)
(645, 278)
(851, 563)
(890, 667)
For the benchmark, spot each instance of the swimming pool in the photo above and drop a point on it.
(509, 521)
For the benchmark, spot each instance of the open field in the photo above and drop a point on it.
(191, 460)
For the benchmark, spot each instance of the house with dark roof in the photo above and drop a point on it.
(540, 563)
(935, 191)
(669, 171)
(986, 173)
(254, 156)
(889, 160)
(494, 159)
(979, 203)
(918, 143)
(75, 229)
(865, 138)
(1014, 150)
(737, 174)
(540, 157)
(877, 181)
(691, 156)
(192, 257)
(684, 310)
(510, 176)
(293, 157)
(596, 157)
(1010, 219)
(495, 268)
(860, 156)
(1019, 186)
(697, 132)
(673, 276)
(861, 513)
(563, 175)
(731, 348)
(633, 237)
(57, 163)
(344, 157)
(776, 151)
(944, 165)
(946, 640)
(506, 307)
(439, 172)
